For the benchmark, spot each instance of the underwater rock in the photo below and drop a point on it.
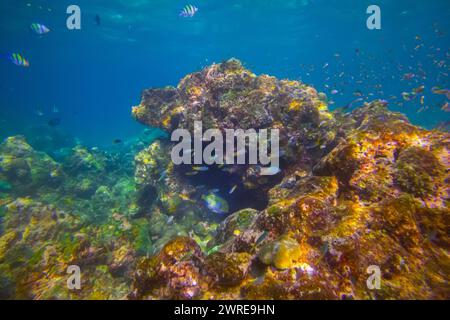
(351, 186)
(227, 96)
(235, 224)
(84, 160)
(26, 170)
(282, 254)
(384, 155)
(171, 274)
(228, 269)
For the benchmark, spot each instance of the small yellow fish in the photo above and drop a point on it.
(200, 168)
(237, 232)
(185, 197)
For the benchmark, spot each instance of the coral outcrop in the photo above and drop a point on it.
(351, 186)
(355, 191)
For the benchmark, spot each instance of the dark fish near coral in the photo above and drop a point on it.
(163, 175)
(262, 237)
(117, 141)
(39, 28)
(54, 122)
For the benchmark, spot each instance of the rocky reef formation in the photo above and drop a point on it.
(351, 186)
(355, 190)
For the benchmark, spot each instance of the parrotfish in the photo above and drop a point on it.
(189, 11)
(215, 203)
(39, 28)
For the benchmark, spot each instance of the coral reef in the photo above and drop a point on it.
(355, 190)
(351, 185)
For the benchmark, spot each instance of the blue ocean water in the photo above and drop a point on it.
(88, 79)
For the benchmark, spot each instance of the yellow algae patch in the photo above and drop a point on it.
(194, 91)
(5, 242)
(295, 105)
(283, 253)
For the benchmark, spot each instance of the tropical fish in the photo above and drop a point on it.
(163, 175)
(262, 237)
(232, 189)
(97, 20)
(213, 250)
(349, 105)
(117, 141)
(200, 169)
(215, 203)
(408, 96)
(39, 28)
(408, 76)
(192, 173)
(17, 59)
(189, 11)
(419, 89)
(437, 90)
(272, 171)
(445, 107)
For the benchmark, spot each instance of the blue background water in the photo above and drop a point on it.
(94, 76)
